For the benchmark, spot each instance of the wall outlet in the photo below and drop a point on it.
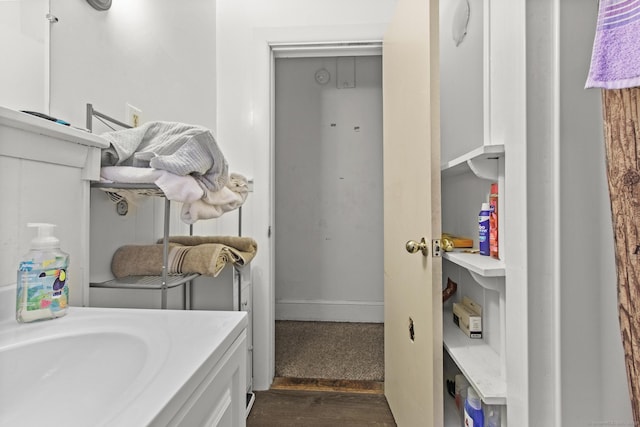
(133, 115)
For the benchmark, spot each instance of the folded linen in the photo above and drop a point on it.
(207, 259)
(179, 148)
(240, 243)
(615, 59)
(214, 204)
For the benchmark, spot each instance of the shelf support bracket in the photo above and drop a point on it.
(484, 167)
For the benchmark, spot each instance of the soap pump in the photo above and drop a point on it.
(43, 285)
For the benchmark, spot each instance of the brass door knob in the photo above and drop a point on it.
(412, 247)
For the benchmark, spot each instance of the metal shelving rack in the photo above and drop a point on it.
(163, 282)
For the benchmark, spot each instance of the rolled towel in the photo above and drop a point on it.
(240, 243)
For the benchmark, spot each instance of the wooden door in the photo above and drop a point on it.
(413, 302)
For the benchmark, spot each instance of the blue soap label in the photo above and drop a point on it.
(41, 289)
(483, 233)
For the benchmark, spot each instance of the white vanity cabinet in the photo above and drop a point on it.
(45, 170)
(215, 395)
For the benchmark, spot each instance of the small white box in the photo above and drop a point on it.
(468, 317)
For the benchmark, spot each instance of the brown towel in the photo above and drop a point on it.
(244, 244)
(207, 259)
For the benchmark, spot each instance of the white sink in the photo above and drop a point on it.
(104, 367)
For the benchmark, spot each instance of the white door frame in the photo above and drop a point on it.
(298, 50)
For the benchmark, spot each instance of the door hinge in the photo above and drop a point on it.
(269, 232)
(436, 250)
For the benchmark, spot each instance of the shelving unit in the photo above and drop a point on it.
(477, 360)
(163, 282)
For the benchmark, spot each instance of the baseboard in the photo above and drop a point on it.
(330, 311)
(320, 384)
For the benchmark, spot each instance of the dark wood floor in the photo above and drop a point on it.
(301, 407)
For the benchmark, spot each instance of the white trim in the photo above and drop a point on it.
(332, 49)
(556, 273)
(336, 311)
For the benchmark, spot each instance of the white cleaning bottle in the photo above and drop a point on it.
(43, 286)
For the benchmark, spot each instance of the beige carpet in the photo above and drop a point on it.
(330, 350)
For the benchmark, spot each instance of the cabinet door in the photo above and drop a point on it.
(413, 307)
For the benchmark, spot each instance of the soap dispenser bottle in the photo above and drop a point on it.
(43, 286)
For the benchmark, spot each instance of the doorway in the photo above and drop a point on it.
(328, 240)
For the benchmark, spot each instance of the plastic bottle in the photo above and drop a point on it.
(43, 285)
(483, 229)
(493, 417)
(473, 415)
(493, 221)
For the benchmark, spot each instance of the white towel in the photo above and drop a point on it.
(214, 204)
(183, 189)
(197, 203)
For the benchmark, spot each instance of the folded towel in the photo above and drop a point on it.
(207, 259)
(179, 148)
(615, 60)
(240, 243)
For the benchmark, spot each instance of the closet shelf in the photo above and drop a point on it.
(146, 282)
(479, 363)
(482, 265)
(479, 161)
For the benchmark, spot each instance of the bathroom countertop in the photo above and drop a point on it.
(31, 123)
(103, 366)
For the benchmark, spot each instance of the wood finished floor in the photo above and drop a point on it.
(301, 408)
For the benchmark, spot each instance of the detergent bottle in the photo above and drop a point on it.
(473, 414)
(43, 286)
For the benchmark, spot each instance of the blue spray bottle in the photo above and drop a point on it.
(483, 229)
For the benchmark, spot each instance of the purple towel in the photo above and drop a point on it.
(615, 61)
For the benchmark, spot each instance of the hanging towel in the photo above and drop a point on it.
(615, 60)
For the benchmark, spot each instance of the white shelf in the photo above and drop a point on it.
(479, 363)
(483, 265)
(146, 282)
(479, 161)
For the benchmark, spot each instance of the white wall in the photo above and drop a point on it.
(594, 385)
(461, 83)
(577, 371)
(24, 49)
(158, 56)
(328, 190)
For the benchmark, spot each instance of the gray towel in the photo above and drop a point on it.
(178, 148)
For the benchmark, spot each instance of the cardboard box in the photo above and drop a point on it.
(467, 315)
